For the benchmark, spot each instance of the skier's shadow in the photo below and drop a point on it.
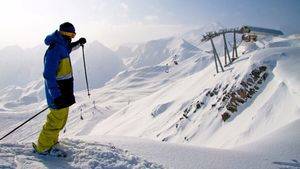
(295, 164)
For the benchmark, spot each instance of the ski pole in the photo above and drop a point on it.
(24, 123)
(86, 78)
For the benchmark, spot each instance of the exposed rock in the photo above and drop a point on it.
(239, 95)
(215, 91)
(213, 105)
(198, 106)
(262, 68)
(259, 81)
(249, 80)
(244, 84)
(251, 92)
(242, 93)
(264, 76)
(255, 73)
(225, 116)
(225, 87)
(220, 108)
(231, 108)
(208, 93)
(184, 115)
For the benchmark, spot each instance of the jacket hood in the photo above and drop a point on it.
(55, 38)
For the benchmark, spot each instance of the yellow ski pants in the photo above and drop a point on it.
(56, 120)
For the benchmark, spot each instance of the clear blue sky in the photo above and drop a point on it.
(113, 22)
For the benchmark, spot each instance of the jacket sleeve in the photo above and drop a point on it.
(51, 62)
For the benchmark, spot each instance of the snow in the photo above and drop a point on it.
(280, 149)
(80, 155)
(158, 114)
(157, 51)
(260, 116)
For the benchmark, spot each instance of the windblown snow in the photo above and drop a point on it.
(165, 106)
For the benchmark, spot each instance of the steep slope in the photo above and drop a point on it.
(192, 109)
(134, 84)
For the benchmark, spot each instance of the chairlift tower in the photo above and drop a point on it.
(209, 37)
(248, 32)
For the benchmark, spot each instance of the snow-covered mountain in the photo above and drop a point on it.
(26, 65)
(253, 93)
(14, 96)
(156, 51)
(194, 36)
(102, 65)
(168, 112)
(21, 66)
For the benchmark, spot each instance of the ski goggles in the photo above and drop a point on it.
(69, 34)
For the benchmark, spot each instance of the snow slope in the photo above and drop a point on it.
(280, 149)
(271, 152)
(156, 51)
(160, 115)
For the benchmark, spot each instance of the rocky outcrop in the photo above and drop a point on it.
(237, 96)
(226, 99)
(230, 98)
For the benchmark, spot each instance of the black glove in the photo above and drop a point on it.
(82, 41)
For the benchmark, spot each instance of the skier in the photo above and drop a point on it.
(58, 86)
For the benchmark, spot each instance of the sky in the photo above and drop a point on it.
(114, 22)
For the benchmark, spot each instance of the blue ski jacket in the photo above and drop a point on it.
(58, 71)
